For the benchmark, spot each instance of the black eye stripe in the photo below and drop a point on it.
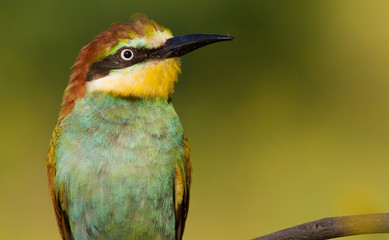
(116, 61)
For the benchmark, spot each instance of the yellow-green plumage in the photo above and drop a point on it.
(116, 164)
(119, 163)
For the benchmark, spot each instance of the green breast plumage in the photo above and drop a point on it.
(115, 163)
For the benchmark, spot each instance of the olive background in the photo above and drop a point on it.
(287, 124)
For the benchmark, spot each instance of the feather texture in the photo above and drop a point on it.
(105, 44)
(119, 169)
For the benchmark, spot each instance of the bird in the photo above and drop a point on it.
(118, 163)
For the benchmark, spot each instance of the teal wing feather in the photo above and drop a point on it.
(181, 191)
(58, 198)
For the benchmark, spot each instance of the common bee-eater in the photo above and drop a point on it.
(119, 162)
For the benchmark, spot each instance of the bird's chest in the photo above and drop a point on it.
(105, 134)
(116, 160)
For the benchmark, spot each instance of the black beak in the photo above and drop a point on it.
(181, 45)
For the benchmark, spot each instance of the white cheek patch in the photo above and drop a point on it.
(114, 81)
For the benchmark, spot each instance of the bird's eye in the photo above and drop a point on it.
(126, 54)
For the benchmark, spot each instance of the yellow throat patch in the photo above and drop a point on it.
(150, 79)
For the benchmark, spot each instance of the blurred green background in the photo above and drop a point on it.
(287, 124)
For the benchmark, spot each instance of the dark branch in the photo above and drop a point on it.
(333, 227)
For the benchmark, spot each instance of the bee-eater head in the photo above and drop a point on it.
(132, 60)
